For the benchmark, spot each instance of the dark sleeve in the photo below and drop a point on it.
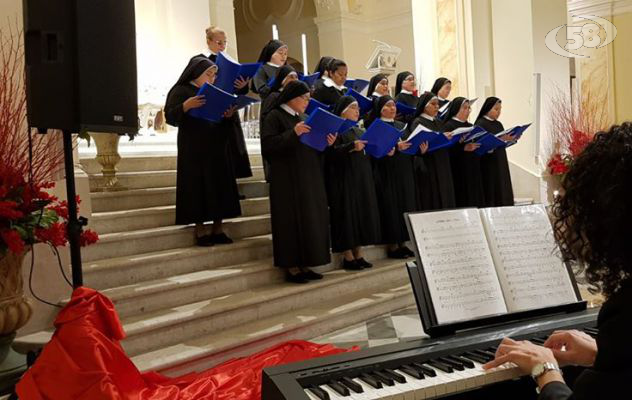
(243, 91)
(260, 83)
(344, 143)
(276, 140)
(173, 109)
(556, 391)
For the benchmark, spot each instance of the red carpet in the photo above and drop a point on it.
(84, 360)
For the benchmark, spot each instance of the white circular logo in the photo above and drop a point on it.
(577, 37)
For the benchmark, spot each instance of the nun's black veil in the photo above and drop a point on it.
(439, 83)
(292, 91)
(401, 77)
(269, 49)
(423, 102)
(342, 104)
(197, 65)
(455, 107)
(282, 73)
(490, 102)
(373, 83)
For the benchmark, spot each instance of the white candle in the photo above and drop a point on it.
(275, 32)
(304, 43)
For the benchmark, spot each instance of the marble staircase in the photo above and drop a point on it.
(185, 307)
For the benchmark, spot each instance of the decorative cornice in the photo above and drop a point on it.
(600, 8)
(253, 20)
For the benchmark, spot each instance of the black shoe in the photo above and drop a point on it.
(205, 240)
(296, 278)
(397, 254)
(351, 265)
(221, 238)
(408, 252)
(364, 263)
(311, 275)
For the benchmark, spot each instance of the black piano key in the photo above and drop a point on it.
(538, 341)
(351, 385)
(340, 389)
(475, 357)
(454, 364)
(465, 362)
(399, 378)
(318, 392)
(591, 331)
(412, 371)
(492, 349)
(486, 354)
(388, 381)
(371, 381)
(427, 371)
(441, 366)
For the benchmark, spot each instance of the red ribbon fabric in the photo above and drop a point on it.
(84, 360)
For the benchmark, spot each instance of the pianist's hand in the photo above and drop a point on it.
(524, 354)
(579, 348)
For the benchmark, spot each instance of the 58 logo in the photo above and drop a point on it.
(586, 35)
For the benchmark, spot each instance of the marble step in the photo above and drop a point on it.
(155, 197)
(156, 179)
(306, 322)
(147, 163)
(162, 264)
(168, 237)
(179, 289)
(169, 326)
(154, 217)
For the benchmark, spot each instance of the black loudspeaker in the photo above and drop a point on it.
(81, 65)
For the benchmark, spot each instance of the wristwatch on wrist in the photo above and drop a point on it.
(541, 369)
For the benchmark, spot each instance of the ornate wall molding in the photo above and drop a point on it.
(251, 12)
(602, 8)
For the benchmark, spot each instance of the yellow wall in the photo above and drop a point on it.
(623, 67)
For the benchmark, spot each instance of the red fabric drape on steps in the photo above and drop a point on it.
(84, 360)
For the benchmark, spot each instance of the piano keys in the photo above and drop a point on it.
(418, 369)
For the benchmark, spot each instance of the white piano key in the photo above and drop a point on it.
(370, 392)
(418, 385)
(333, 395)
(310, 395)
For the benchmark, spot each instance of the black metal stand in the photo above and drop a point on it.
(75, 224)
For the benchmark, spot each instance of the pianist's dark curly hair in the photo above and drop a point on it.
(593, 216)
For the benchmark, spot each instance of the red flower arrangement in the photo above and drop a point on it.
(574, 123)
(28, 213)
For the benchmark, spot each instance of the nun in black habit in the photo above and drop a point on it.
(442, 88)
(404, 93)
(466, 164)
(237, 149)
(285, 75)
(394, 183)
(206, 189)
(353, 207)
(494, 165)
(378, 86)
(332, 87)
(298, 198)
(273, 56)
(435, 186)
(321, 68)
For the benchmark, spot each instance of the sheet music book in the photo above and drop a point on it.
(381, 138)
(364, 102)
(420, 135)
(516, 132)
(357, 84)
(315, 104)
(217, 102)
(487, 262)
(348, 124)
(488, 143)
(228, 70)
(322, 123)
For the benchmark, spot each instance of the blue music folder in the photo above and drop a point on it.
(217, 102)
(405, 109)
(365, 103)
(357, 84)
(381, 138)
(315, 104)
(322, 123)
(228, 70)
(488, 143)
(420, 135)
(516, 132)
(309, 79)
(348, 124)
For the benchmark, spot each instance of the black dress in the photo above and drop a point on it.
(395, 188)
(206, 189)
(261, 79)
(353, 205)
(298, 201)
(267, 105)
(435, 185)
(495, 170)
(237, 150)
(326, 94)
(611, 374)
(466, 171)
(409, 100)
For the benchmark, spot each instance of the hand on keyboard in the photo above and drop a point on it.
(524, 354)
(572, 348)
